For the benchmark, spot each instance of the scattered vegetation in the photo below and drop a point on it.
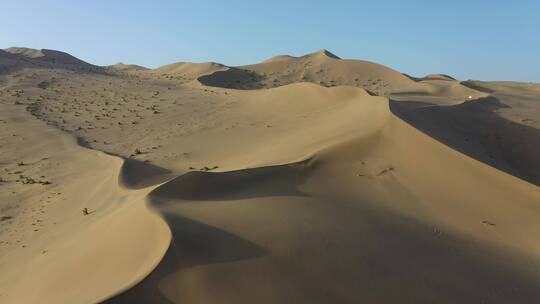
(27, 180)
(5, 218)
(488, 223)
(386, 170)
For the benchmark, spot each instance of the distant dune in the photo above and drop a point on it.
(49, 56)
(310, 179)
(321, 67)
(189, 69)
(121, 67)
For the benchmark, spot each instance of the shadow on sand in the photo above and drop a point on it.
(475, 129)
(276, 180)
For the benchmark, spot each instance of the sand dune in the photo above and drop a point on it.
(48, 58)
(126, 68)
(321, 67)
(342, 182)
(188, 69)
(348, 224)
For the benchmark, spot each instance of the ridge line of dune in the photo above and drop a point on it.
(147, 208)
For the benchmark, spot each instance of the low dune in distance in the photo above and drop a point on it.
(309, 179)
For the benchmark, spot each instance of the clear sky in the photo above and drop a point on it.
(489, 40)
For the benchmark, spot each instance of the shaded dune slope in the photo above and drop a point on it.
(135, 174)
(520, 100)
(373, 218)
(234, 185)
(474, 128)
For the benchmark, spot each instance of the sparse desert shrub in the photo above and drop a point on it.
(5, 218)
(206, 168)
(386, 170)
(26, 180)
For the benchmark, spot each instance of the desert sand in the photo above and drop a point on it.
(309, 179)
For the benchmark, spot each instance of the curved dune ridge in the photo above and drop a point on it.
(438, 77)
(342, 182)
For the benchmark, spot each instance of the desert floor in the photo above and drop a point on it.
(308, 179)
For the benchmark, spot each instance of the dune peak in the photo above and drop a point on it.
(326, 53)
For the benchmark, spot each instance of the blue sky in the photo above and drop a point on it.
(489, 40)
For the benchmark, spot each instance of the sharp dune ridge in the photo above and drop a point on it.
(310, 179)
